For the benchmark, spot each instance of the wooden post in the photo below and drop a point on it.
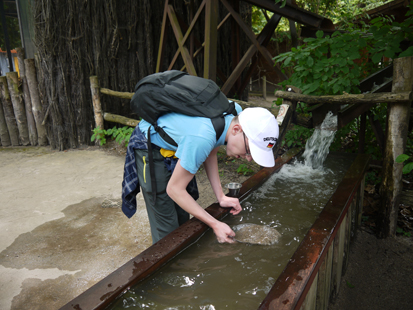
(398, 122)
(27, 101)
(9, 113)
(36, 103)
(18, 106)
(4, 133)
(97, 106)
(211, 40)
(264, 87)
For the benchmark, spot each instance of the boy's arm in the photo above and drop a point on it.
(211, 168)
(176, 189)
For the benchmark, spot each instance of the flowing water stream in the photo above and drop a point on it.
(209, 275)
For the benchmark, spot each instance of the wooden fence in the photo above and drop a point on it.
(21, 115)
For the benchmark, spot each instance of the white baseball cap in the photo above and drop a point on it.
(261, 129)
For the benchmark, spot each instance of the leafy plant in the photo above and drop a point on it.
(372, 178)
(401, 231)
(297, 137)
(401, 159)
(99, 135)
(244, 169)
(121, 135)
(331, 65)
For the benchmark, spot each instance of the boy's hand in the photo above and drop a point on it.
(223, 233)
(231, 202)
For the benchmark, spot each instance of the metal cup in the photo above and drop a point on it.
(233, 189)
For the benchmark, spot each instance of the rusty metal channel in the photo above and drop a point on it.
(291, 287)
(100, 295)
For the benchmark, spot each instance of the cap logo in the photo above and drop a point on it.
(270, 144)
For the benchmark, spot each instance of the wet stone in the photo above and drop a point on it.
(256, 234)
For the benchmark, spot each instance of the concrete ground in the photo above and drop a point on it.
(61, 227)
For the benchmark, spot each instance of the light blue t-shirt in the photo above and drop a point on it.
(195, 136)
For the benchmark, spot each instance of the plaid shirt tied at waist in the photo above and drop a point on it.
(130, 183)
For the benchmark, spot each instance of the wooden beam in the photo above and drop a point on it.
(123, 95)
(188, 32)
(120, 119)
(295, 13)
(179, 38)
(400, 97)
(265, 53)
(162, 41)
(267, 31)
(210, 54)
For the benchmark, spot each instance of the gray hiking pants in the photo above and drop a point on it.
(165, 215)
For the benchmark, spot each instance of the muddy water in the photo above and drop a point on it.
(209, 275)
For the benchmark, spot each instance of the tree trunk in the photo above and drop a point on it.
(398, 122)
(18, 107)
(9, 113)
(26, 95)
(35, 98)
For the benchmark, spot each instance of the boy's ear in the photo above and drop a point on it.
(236, 129)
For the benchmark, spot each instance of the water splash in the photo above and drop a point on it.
(317, 147)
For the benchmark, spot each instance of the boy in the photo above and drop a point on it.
(251, 135)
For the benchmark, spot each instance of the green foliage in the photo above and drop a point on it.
(401, 231)
(244, 169)
(350, 285)
(401, 159)
(317, 74)
(331, 65)
(372, 178)
(99, 135)
(297, 137)
(121, 135)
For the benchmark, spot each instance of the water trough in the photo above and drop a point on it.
(309, 279)
(307, 258)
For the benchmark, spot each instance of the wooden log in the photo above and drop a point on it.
(393, 97)
(18, 107)
(4, 132)
(120, 119)
(37, 109)
(9, 113)
(26, 95)
(97, 106)
(124, 95)
(397, 123)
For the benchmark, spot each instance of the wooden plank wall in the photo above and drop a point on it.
(326, 284)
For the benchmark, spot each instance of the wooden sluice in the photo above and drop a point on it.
(311, 278)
